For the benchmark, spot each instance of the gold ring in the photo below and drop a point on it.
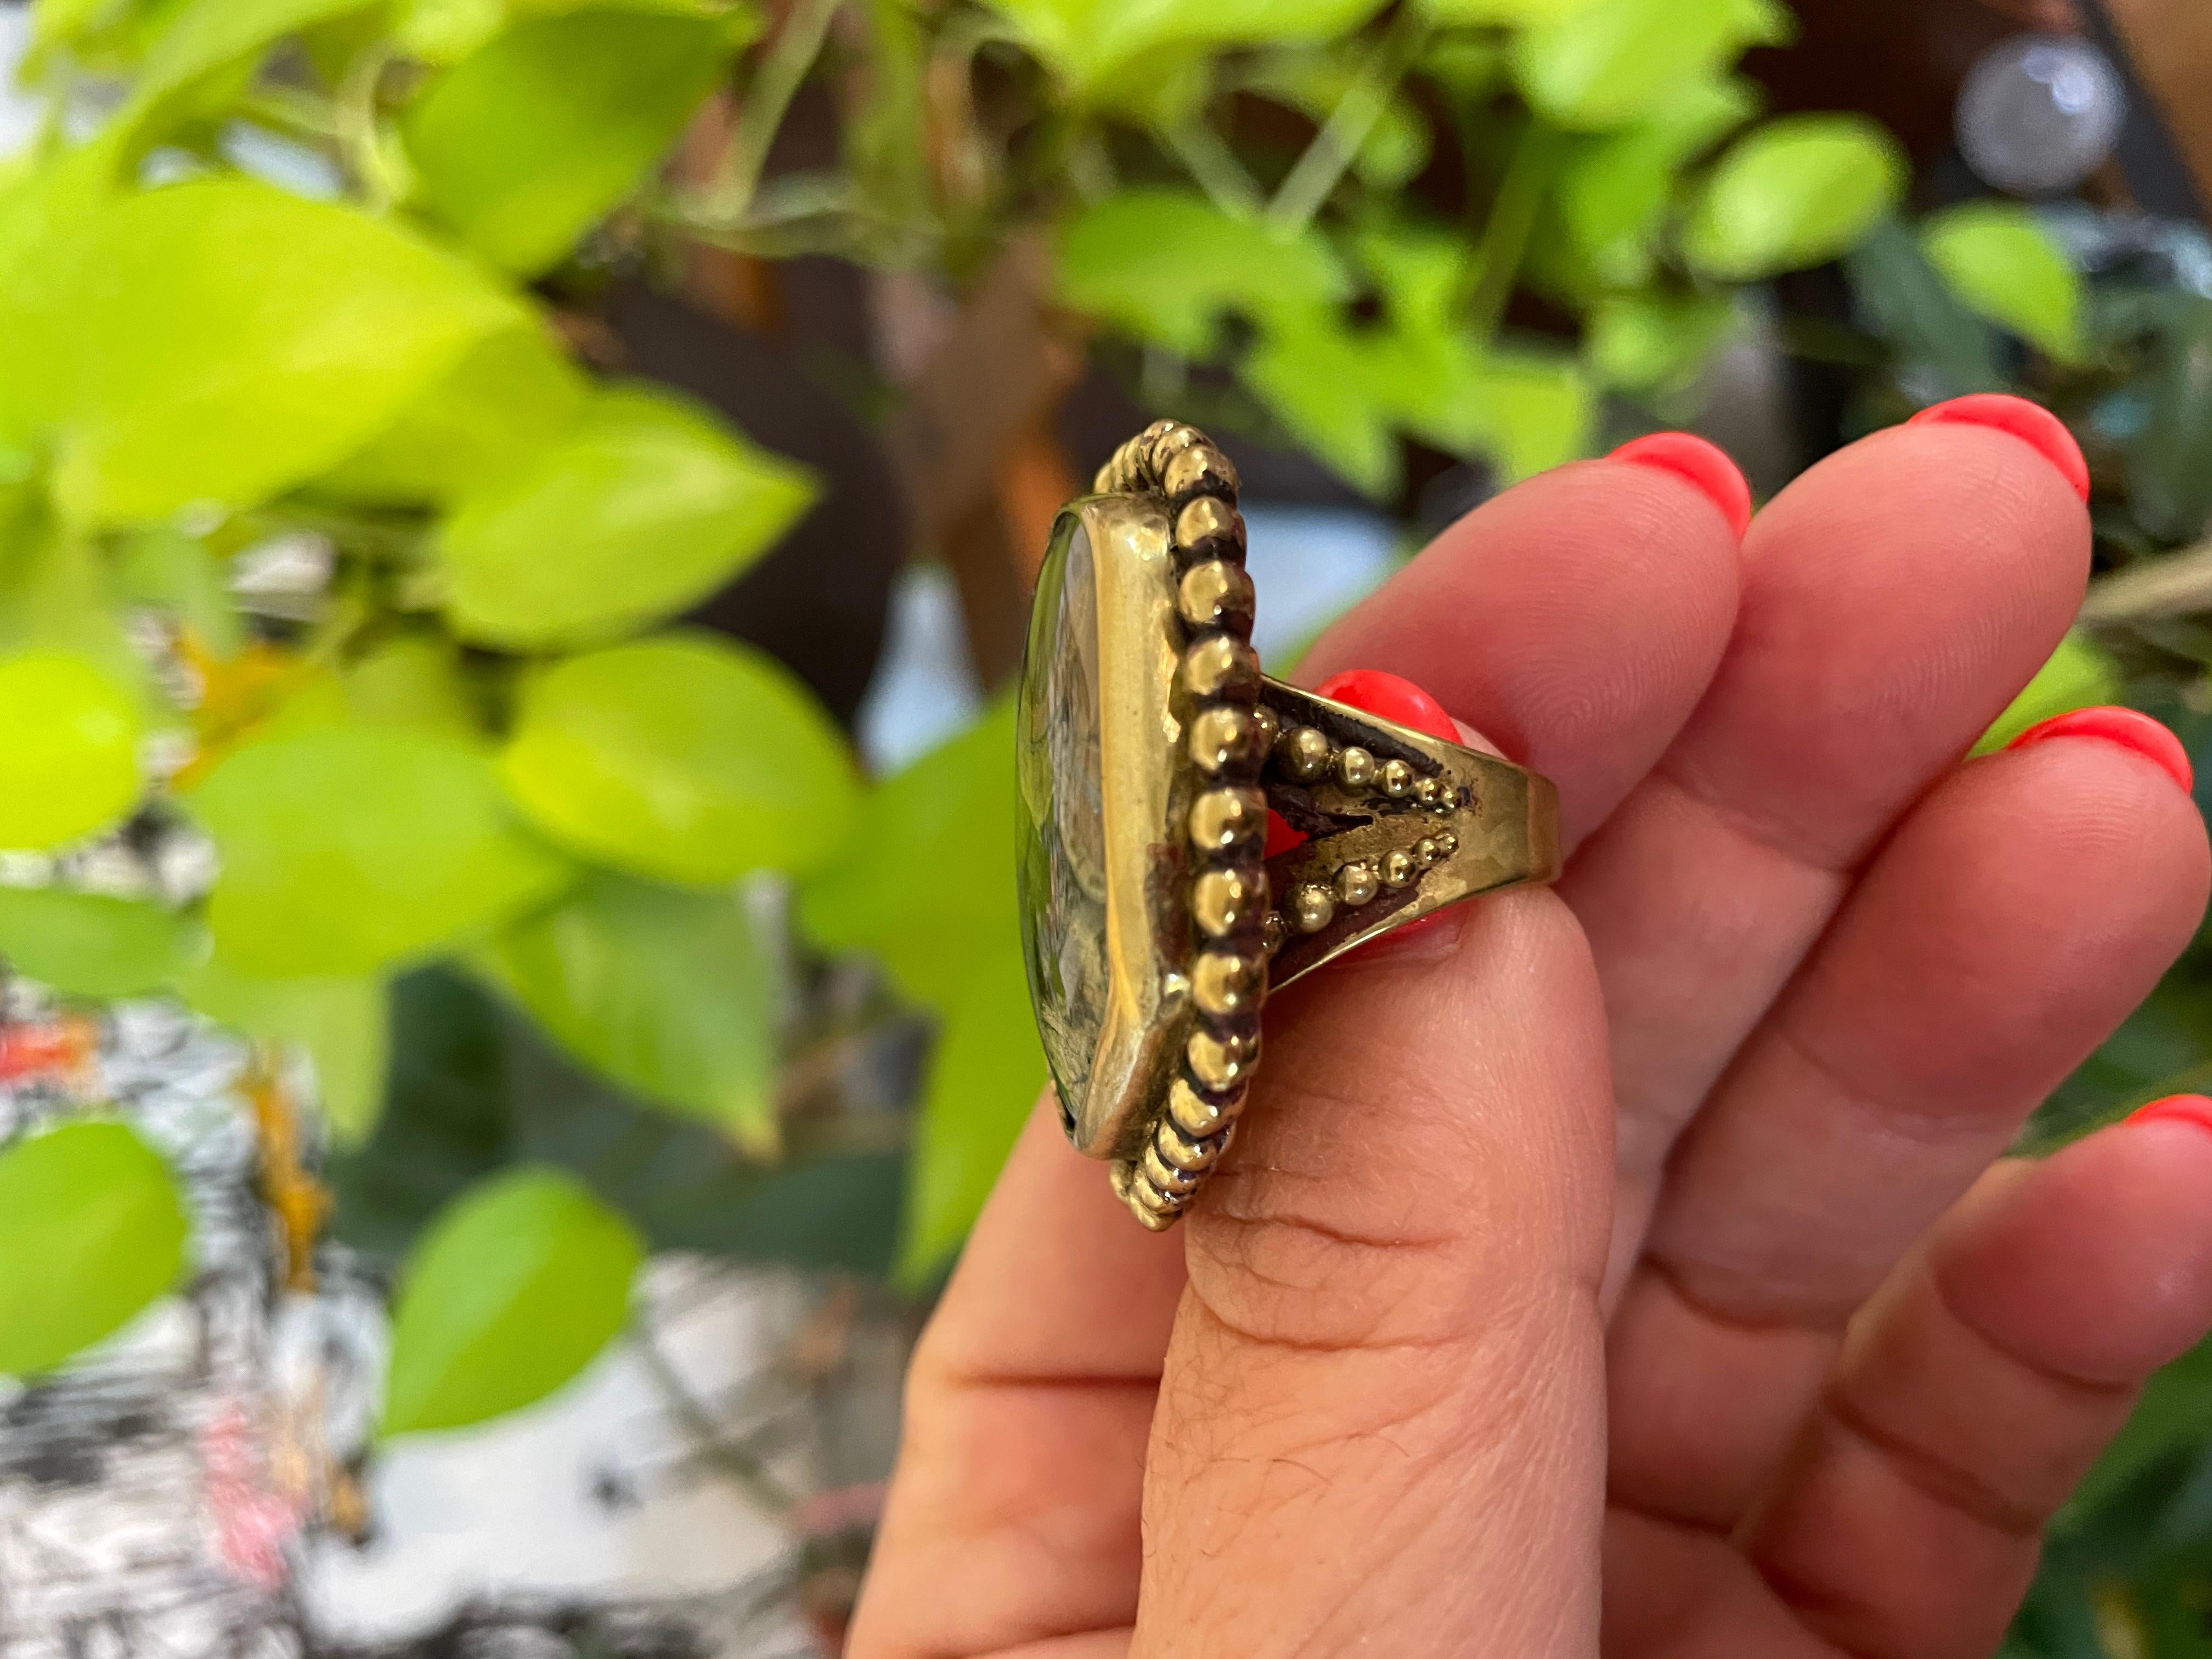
(1151, 752)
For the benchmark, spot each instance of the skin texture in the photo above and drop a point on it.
(1630, 1267)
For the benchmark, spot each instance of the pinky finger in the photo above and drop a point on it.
(1979, 1386)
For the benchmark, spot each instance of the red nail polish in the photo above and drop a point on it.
(2125, 727)
(1391, 698)
(1718, 478)
(2032, 423)
(2177, 1109)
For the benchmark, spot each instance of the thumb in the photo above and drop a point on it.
(1381, 1423)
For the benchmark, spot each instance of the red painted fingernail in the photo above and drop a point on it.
(2176, 1109)
(2032, 423)
(1685, 455)
(2126, 728)
(1391, 698)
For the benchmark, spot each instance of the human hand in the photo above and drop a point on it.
(1632, 1268)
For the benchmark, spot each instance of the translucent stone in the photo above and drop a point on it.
(2039, 114)
(1063, 818)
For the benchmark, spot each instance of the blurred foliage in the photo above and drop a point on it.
(321, 545)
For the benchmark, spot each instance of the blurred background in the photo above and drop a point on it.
(515, 520)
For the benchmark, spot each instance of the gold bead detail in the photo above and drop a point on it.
(1222, 983)
(1398, 870)
(1313, 908)
(1198, 469)
(1447, 843)
(1218, 1062)
(1208, 526)
(1356, 768)
(1196, 1117)
(1223, 737)
(1217, 664)
(1164, 1177)
(1270, 723)
(1304, 753)
(1169, 441)
(1431, 791)
(1396, 778)
(1222, 820)
(1223, 902)
(1213, 593)
(1190, 1158)
(1356, 884)
(1427, 850)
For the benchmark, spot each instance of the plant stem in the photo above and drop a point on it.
(1512, 222)
(1336, 146)
(1215, 167)
(749, 1472)
(775, 84)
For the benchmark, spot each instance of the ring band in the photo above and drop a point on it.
(1152, 756)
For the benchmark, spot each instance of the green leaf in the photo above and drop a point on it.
(47, 215)
(985, 1075)
(1084, 40)
(2170, 463)
(1608, 64)
(2080, 674)
(1656, 341)
(1396, 147)
(1999, 260)
(1612, 192)
(924, 882)
(1514, 13)
(1166, 266)
(684, 757)
(671, 994)
(343, 1025)
(413, 679)
(511, 398)
(87, 945)
(1793, 192)
(1532, 410)
(647, 506)
(523, 145)
(68, 762)
(205, 376)
(1908, 305)
(2175, 1415)
(348, 846)
(92, 1231)
(516, 1288)
(204, 35)
(1336, 389)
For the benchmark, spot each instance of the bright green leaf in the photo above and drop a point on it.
(684, 757)
(68, 762)
(347, 847)
(1084, 40)
(523, 145)
(647, 507)
(2080, 674)
(413, 679)
(1167, 264)
(1335, 390)
(47, 217)
(1532, 410)
(1608, 64)
(1999, 260)
(88, 944)
(671, 994)
(209, 376)
(92, 1231)
(1517, 14)
(1792, 193)
(515, 1289)
(925, 881)
(204, 35)
(1656, 341)
(511, 398)
(343, 1025)
(1612, 192)
(985, 1074)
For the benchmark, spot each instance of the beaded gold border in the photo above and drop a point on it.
(1230, 736)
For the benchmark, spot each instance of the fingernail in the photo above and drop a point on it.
(1685, 455)
(1389, 697)
(2032, 423)
(2125, 727)
(2176, 1109)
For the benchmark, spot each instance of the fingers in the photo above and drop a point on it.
(1895, 599)
(2018, 916)
(1027, 1408)
(1575, 619)
(1383, 1401)
(1975, 1394)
